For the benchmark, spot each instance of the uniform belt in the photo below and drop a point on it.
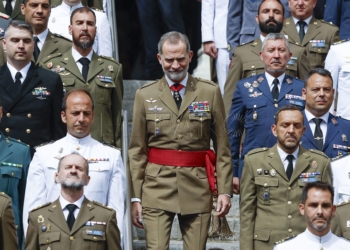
(170, 157)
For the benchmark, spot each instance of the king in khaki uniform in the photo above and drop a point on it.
(103, 79)
(170, 152)
(49, 43)
(246, 61)
(8, 236)
(72, 221)
(271, 184)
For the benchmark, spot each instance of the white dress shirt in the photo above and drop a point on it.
(42, 37)
(307, 21)
(183, 82)
(12, 3)
(323, 124)
(270, 78)
(24, 71)
(64, 204)
(284, 155)
(76, 55)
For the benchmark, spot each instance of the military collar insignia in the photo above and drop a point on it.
(289, 81)
(110, 67)
(314, 164)
(49, 65)
(334, 121)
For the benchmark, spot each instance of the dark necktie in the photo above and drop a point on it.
(36, 48)
(289, 170)
(177, 97)
(8, 7)
(318, 135)
(302, 25)
(18, 82)
(71, 218)
(85, 62)
(275, 91)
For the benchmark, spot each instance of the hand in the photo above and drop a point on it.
(136, 213)
(223, 205)
(210, 49)
(235, 185)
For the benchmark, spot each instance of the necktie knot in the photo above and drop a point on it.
(36, 39)
(84, 61)
(302, 24)
(290, 158)
(18, 76)
(317, 121)
(176, 87)
(71, 207)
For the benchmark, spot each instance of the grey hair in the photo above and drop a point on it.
(73, 153)
(19, 24)
(173, 37)
(275, 36)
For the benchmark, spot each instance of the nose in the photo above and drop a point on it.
(84, 26)
(175, 64)
(276, 54)
(39, 8)
(291, 129)
(81, 117)
(321, 92)
(300, 2)
(21, 44)
(319, 210)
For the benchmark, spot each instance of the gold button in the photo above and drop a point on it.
(29, 115)
(157, 120)
(71, 238)
(12, 174)
(47, 241)
(64, 84)
(28, 131)
(16, 226)
(289, 203)
(201, 119)
(7, 130)
(276, 105)
(290, 230)
(178, 121)
(180, 136)
(253, 67)
(265, 184)
(256, 236)
(318, 50)
(8, 114)
(95, 238)
(289, 188)
(254, 106)
(289, 217)
(287, 66)
(106, 85)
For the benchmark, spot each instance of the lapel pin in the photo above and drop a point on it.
(259, 171)
(314, 164)
(343, 137)
(334, 121)
(273, 172)
(110, 67)
(289, 81)
(41, 219)
(49, 65)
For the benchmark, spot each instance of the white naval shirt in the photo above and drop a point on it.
(107, 184)
(338, 63)
(309, 241)
(341, 179)
(60, 19)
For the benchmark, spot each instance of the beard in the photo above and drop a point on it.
(318, 228)
(72, 185)
(270, 28)
(176, 76)
(85, 44)
(288, 145)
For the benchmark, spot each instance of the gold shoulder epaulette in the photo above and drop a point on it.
(286, 239)
(329, 23)
(318, 152)
(102, 205)
(43, 144)
(63, 37)
(341, 41)
(245, 43)
(257, 150)
(4, 16)
(148, 84)
(110, 59)
(49, 57)
(17, 141)
(45, 205)
(206, 81)
(93, 8)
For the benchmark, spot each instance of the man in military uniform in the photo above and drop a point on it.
(338, 63)
(12, 9)
(8, 236)
(272, 182)
(257, 99)
(31, 96)
(14, 162)
(81, 67)
(59, 22)
(72, 221)
(36, 13)
(337, 13)
(107, 185)
(341, 220)
(341, 178)
(318, 209)
(98, 4)
(246, 61)
(324, 131)
(313, 34)
(174, 121)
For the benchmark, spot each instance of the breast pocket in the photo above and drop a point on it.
(93, 242)
(68, 84)
(200, 124)
(265, 186)
(49, 240)
(253, 68)
(317, 56)
(158, 124)
(10, 179)
(255, 114)
(102, 91)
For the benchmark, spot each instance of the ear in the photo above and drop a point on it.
(64, 117)
(261, 56)
(273, 129)
(22, 9)
(303, 93)
(257, 19)
(302, 209)
(57, 179)
(87, 180)
(70, 29)
(190, 55)
(4, 44)
(159, 59)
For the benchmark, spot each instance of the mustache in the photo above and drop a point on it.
(276, 61)
(271, 20)
(291, 136)
(84, 34)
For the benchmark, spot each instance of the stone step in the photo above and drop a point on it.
(177, 245)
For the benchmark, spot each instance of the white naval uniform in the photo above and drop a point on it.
(214, 20)
(341, 179)
(107, 184)
(309, 241)
(338, 63)
(60, 20)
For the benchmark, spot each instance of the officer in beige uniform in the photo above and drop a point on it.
(37, 13)
(341, 220)
(72, 221)
(272, 183)
(12, 8)
(81, 67)
(174, 120)
(98, 4)
(8, 236)
(246, 61)
(313, 34)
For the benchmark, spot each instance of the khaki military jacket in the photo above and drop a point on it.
(341, 221)
(104, 82)
(246, 62)
(158, 123)
(48, 228)
(8, 237)
(269, 201)
(16, 12)
(53, 44)
(317, 30)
